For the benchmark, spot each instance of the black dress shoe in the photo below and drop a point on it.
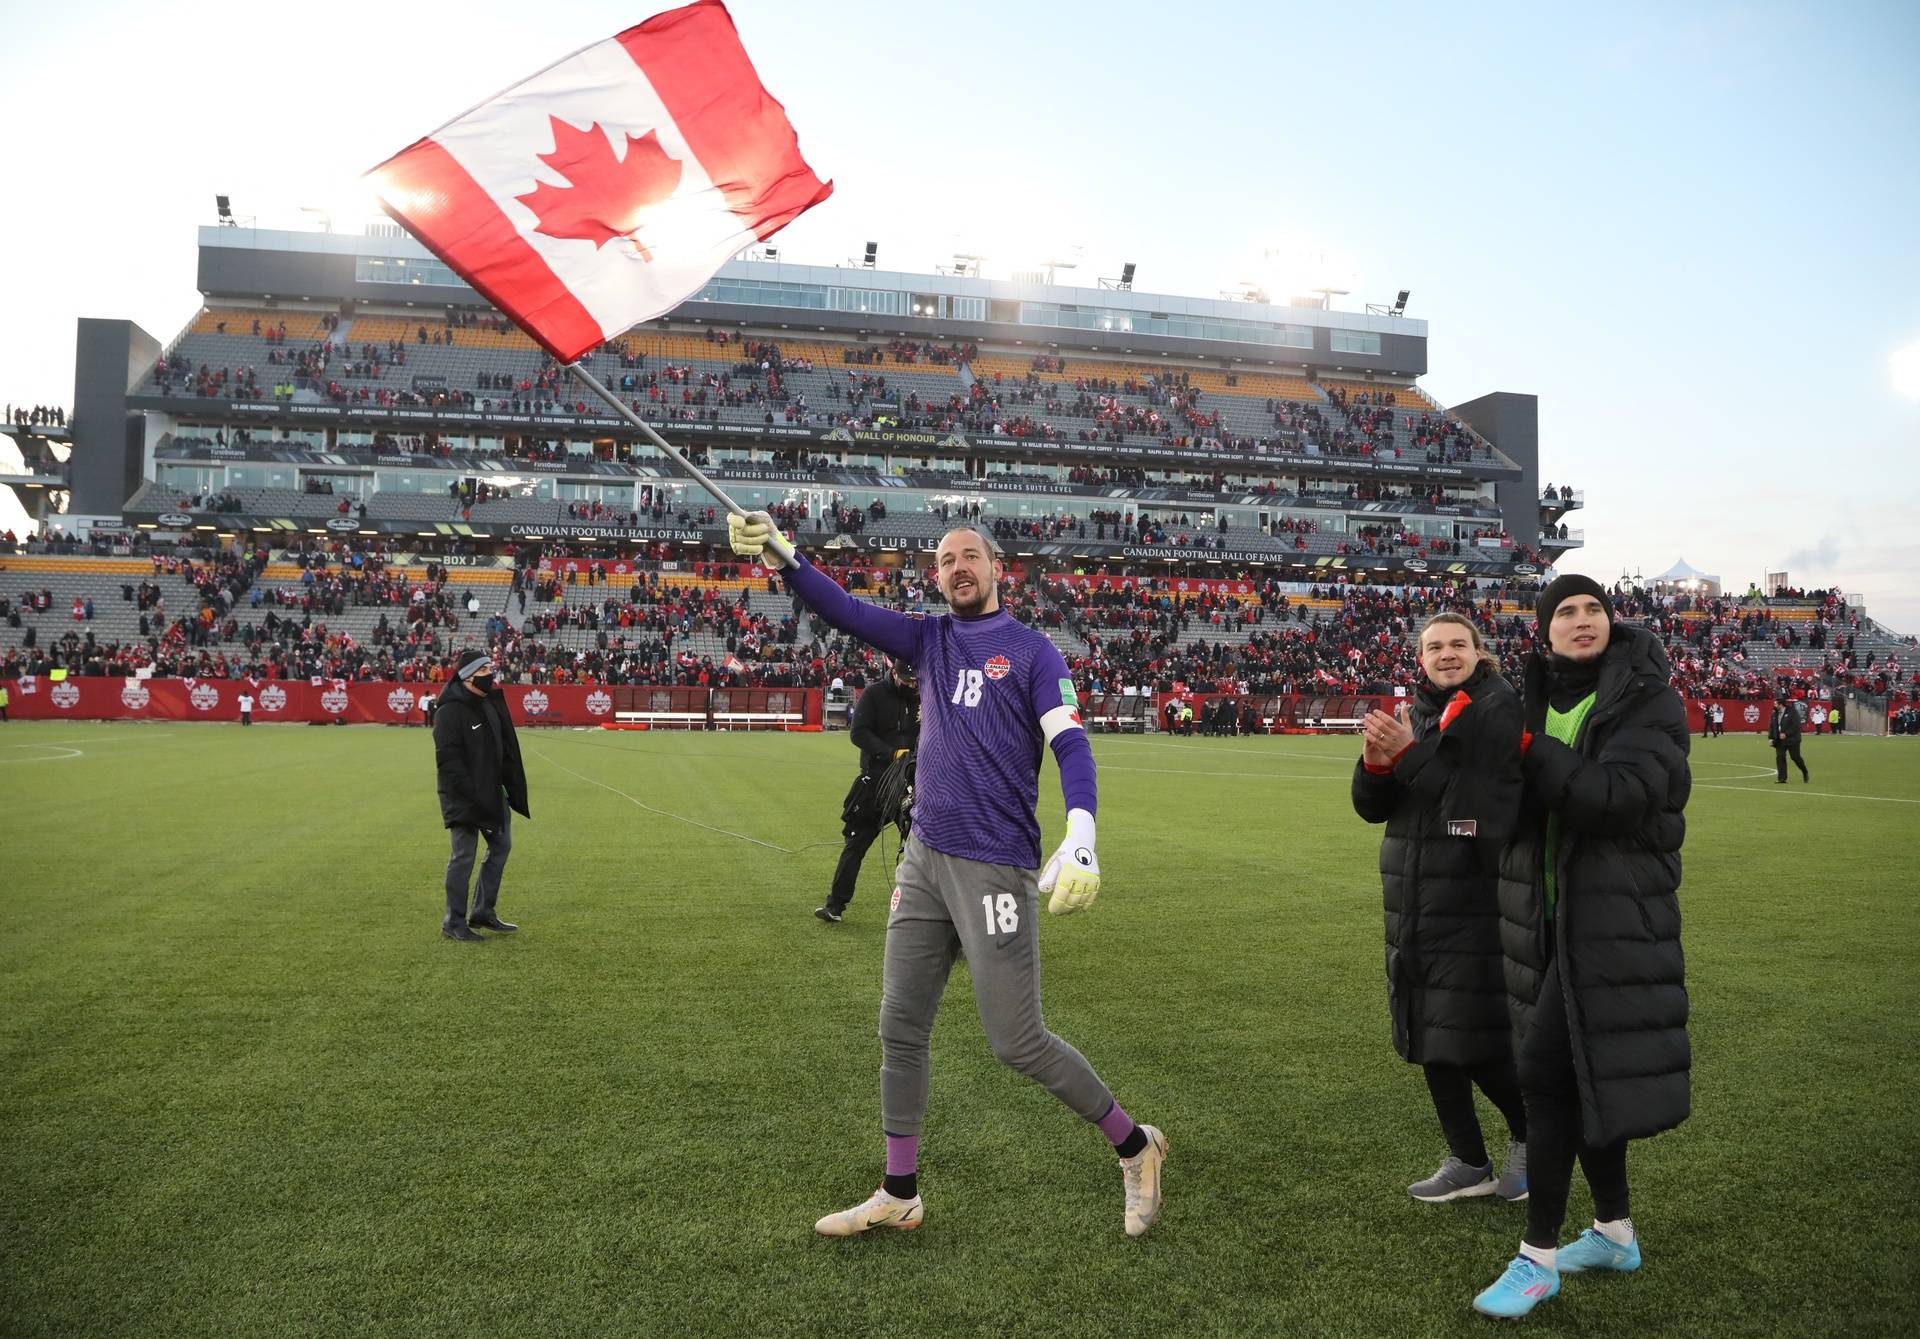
(493, 923)
(458, 930)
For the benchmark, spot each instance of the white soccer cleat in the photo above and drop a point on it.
(884, 1210)
(1141, 1175)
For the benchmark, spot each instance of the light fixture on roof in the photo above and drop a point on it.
(223, 208)
(873, 254)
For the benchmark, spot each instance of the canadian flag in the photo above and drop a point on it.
(610, 187)
(733, 666)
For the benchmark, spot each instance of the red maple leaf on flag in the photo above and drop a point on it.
(606, 197)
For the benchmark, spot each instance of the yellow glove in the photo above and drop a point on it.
(898, 754)
(1073, 875)
(756, 536)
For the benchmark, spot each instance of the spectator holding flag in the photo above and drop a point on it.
(993, 692)
(1444, 776)
(1590, 921)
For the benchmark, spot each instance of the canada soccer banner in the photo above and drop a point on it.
(610, 187)
(327, 701)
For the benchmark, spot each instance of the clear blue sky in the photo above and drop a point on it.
(1692, 231)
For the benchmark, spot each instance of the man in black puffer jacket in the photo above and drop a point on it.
(1446, 782)
(1591, 929)
(482, 785)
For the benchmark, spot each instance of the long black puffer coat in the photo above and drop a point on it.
(476, 775)
(1449, 804)
(1620, 793)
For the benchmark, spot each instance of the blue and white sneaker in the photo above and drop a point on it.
(1594, 1249)
(1525, 1285)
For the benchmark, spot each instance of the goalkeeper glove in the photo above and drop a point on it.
(1073, 875)
(756, 536)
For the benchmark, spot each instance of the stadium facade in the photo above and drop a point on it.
(339, 384)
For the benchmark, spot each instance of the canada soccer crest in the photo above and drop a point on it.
(999, 667)
(534, 703)
(334, 701)
(273, 698)
(66, 696)
(400, 701)
(599, 702)
(1752, 715)
(205, 697)
(134, 695)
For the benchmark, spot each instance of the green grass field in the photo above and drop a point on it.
(249, 1090)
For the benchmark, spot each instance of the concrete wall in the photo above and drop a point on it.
(1512, 423)
(110, 359)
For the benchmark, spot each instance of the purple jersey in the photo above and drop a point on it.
(985, 685)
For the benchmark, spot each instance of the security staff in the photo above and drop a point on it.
(886, 726)
(1783, 732)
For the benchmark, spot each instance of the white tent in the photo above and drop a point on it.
(1686, 574)
(1683, 571)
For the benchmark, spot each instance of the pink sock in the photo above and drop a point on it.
(903, 1154)
(1116, 1125)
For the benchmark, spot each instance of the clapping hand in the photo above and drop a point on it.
(1386, 737)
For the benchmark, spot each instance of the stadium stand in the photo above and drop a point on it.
(1281, 521)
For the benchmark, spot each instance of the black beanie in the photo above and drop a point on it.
(465, 659)
(1571, 584)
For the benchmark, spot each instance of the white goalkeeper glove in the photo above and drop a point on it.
(1073, 875)
(756, 536)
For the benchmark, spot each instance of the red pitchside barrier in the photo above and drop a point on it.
(302, 701)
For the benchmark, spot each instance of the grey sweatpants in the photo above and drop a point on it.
(946, 906)
(486, 890)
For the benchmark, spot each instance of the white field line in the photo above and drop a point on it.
(680, 818)
(65, 754)
(1248, 776)
(1809, 794)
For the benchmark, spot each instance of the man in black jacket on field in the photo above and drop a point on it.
(482, 784)
(1783, 732)
(886, 726)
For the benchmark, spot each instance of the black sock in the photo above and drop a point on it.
(902, 1187)
(1130, 1146)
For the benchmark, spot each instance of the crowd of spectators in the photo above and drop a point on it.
(39, 416)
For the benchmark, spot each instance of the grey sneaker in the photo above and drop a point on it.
(1454, 1181)
(1512, 1186)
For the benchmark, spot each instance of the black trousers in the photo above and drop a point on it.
(1552, 1093)
(1781, 752)
(1452, 1088)
(860, 836)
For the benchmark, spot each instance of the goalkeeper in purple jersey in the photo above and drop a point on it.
(992, 692)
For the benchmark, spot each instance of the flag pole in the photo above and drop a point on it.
(646, 429)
